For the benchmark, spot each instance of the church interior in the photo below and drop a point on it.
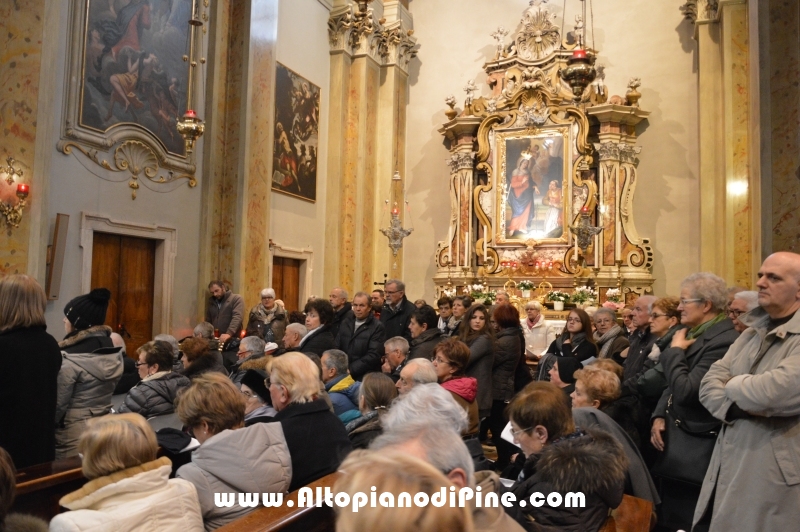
(491, 148)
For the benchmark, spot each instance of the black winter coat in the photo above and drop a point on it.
(593, 463)
(481, 360)
(396, 323)
(506, 356)
(29, 364)
(154, 397)
(423, 345)
(316, 438)
(318, 342)
(339, 317)
(364, 347)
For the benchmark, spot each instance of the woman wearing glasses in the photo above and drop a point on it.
(665, 321)
(450, 360)
(155, 394)
(576, 341)
(685, 451)
(742, 302)
(230, 458)
(560, 458)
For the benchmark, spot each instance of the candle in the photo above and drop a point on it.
(190, 114)
(579, 53)
(22, 190)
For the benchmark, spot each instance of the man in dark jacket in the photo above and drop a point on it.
(341, 307)
(641, 340)
(361, 336)
(425, 335)
(396, 313)
(396, 355)
(225, 310)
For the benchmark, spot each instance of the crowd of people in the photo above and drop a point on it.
(689, 401)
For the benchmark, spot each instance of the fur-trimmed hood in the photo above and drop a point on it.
(101, 488)
(592, 463)
(80, 336)
(257, 362)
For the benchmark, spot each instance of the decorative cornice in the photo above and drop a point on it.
(355, 31)
(617, 151)
(397, 46)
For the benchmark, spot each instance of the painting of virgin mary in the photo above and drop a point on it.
(521, 196)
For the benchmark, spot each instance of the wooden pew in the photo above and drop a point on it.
(633, 515)
(40, 487)
(290, 519)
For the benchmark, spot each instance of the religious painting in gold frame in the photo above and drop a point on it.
(534, 188)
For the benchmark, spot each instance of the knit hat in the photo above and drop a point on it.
(567, 366)
(254, 379)
(88, 310)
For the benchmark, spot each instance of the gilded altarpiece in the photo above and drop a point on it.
(529, 160)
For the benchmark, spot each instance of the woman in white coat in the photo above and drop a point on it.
(538, 333)
(128, 489)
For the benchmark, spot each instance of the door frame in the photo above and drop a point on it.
(306, 258)
(166, 251)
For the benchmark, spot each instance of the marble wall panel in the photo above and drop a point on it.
(21, 27)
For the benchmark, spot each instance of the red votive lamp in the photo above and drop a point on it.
(190, 114)
(395, 211)
(579, 53)
(23, 190)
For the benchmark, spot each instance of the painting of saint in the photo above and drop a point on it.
(296, 135)
(133, 69)
(534, 182)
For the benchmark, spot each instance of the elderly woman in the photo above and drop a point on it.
(600, 388)
(317, 439)
(230, 458)
(29, 368)
(155, 394)
(127, 486)
(576, 341)
(197, 359)
(258, 403)
(562, 374)
(450, 361)
(559, 458)
(460, 306)
(268, 318)
(665, 321)
(376, 393)
(742, 303)
(474, 331)
(539, 334)
(319, 316)
(685, 456)
(608, 335)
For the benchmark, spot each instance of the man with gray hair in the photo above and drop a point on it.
(501, 298)
(426, 423)
(396, 313)
(339, 384)
(641, 340)
(395, 357)
(416, 371)
(177, 365)
(295, 332)
(742, 303)
(250, 356)
(341, 307)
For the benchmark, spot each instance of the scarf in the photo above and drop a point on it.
(532, 324)
(452, 324)
(703, 327)
(606, 340)
(576, 339)
(266, 316)
(663, 343)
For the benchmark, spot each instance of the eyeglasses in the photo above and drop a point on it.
(139, 364)
(250, 395)
(440, 360)
(267, 297)
(517, 432)
(388, 293)
(656, 315)
(573, 320)
(243, 352)
(685, 302)
(735, 313)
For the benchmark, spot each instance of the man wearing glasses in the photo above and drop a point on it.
(641, 339)
(267, 319)
(397, 310)
(742, 302)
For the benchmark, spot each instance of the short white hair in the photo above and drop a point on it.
(267, 292)
(254, 344)
(176, 348)
(425, 372)
(749, 297)
(533, 305)
(708, 287)
(298, 328)
(425, 405)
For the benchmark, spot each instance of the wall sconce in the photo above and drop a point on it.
(13, 213)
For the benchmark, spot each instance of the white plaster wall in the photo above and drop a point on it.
(635, 38)
(303, 47)
(73, 189)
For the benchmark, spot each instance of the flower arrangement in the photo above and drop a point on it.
(583, 295)
(449, 292)
(557, 295)
(480, 292)
(614, 299)
(525, 285)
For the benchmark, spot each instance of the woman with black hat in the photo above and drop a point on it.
(258, 405)
(90, 369)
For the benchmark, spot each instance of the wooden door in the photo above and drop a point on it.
(126, 266)
(286, 281)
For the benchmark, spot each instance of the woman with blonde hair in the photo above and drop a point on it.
(29, 368)
(401, 479)
(128, 488)
(376, 393)
(230, 458)
(316, 438)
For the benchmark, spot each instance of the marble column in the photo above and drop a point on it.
(370, 50)
(22, 27)
(236, 201)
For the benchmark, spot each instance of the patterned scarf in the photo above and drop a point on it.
(703, 327)
(266, 316)
(606, 340)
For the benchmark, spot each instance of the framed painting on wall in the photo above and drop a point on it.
(535, 188)
(127, 78)
(296, 135)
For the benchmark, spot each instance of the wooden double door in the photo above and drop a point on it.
(126, 266)
(286, 282)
